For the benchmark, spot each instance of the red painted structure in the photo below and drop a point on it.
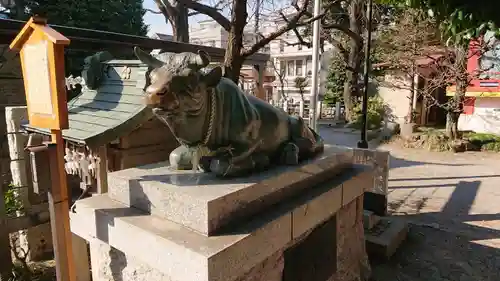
(478, 87)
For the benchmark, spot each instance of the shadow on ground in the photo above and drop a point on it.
(432, 254)
(450, 244)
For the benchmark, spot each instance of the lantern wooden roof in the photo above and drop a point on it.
(114, 109)
(37, 24)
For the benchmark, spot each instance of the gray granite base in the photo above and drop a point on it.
(128, 243)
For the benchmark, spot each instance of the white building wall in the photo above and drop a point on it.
(485, 119)
(396, 94)
(208, 33)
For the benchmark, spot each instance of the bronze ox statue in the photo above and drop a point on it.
(220, 128)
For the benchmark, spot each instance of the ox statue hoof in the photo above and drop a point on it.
(290, 154)
(220, 166)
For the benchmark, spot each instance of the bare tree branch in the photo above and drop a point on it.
(153, 11)
(301, 40)
(281, 78)
(212, 12)
(290, 24)
(344, 29)
(165, 8)
(220, 5)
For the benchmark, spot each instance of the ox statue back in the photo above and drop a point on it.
(220, 128)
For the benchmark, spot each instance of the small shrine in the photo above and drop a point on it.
(110, 128)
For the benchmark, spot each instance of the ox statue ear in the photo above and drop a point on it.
(147, 58)
(204, 58)
(213, 77)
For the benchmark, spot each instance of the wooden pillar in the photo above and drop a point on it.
(59, 211)
(102, 170)
(259, 81)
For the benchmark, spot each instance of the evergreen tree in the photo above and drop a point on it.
(123, 16)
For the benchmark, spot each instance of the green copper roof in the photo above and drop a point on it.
(115, 109)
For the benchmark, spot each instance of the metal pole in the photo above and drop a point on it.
(363, 143)
(315, 61)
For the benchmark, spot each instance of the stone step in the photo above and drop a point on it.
(370, 219)
(385, 237)
(204, 203)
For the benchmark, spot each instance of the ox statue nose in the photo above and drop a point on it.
(153, 95)
(152, 100)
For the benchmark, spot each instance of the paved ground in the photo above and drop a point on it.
(453, 203)
(460, 192)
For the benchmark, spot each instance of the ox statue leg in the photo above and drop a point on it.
(181, 158)
(235, 163)
(304, 143)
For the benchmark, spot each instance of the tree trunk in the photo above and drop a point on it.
(409, 118)
(180, 24)
(177, 16)
(452, 125)
(349, 90)
(232, 64)
(351, 87)
(20, 9)
(233, 60)
(462, 81)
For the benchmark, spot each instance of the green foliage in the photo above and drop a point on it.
(122, 16)
(301, 84)
(335, 80)
(437, 140)
(459, 20)
(486, 142)
(375, 113)
(411, 36)
(12, 203)
(492, 146)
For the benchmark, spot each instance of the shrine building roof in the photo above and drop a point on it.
(114, 109)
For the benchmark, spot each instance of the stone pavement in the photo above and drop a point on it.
(453, 204)
(457, 192)
(339, 136)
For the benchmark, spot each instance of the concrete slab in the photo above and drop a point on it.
(204, 203)
(385, 238)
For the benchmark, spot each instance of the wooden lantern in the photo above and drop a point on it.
(42, 61)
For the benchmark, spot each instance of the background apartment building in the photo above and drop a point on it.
(288, 61)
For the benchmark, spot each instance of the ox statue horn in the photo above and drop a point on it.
(147, 58)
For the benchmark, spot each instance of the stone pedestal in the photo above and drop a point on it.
(287, 224)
